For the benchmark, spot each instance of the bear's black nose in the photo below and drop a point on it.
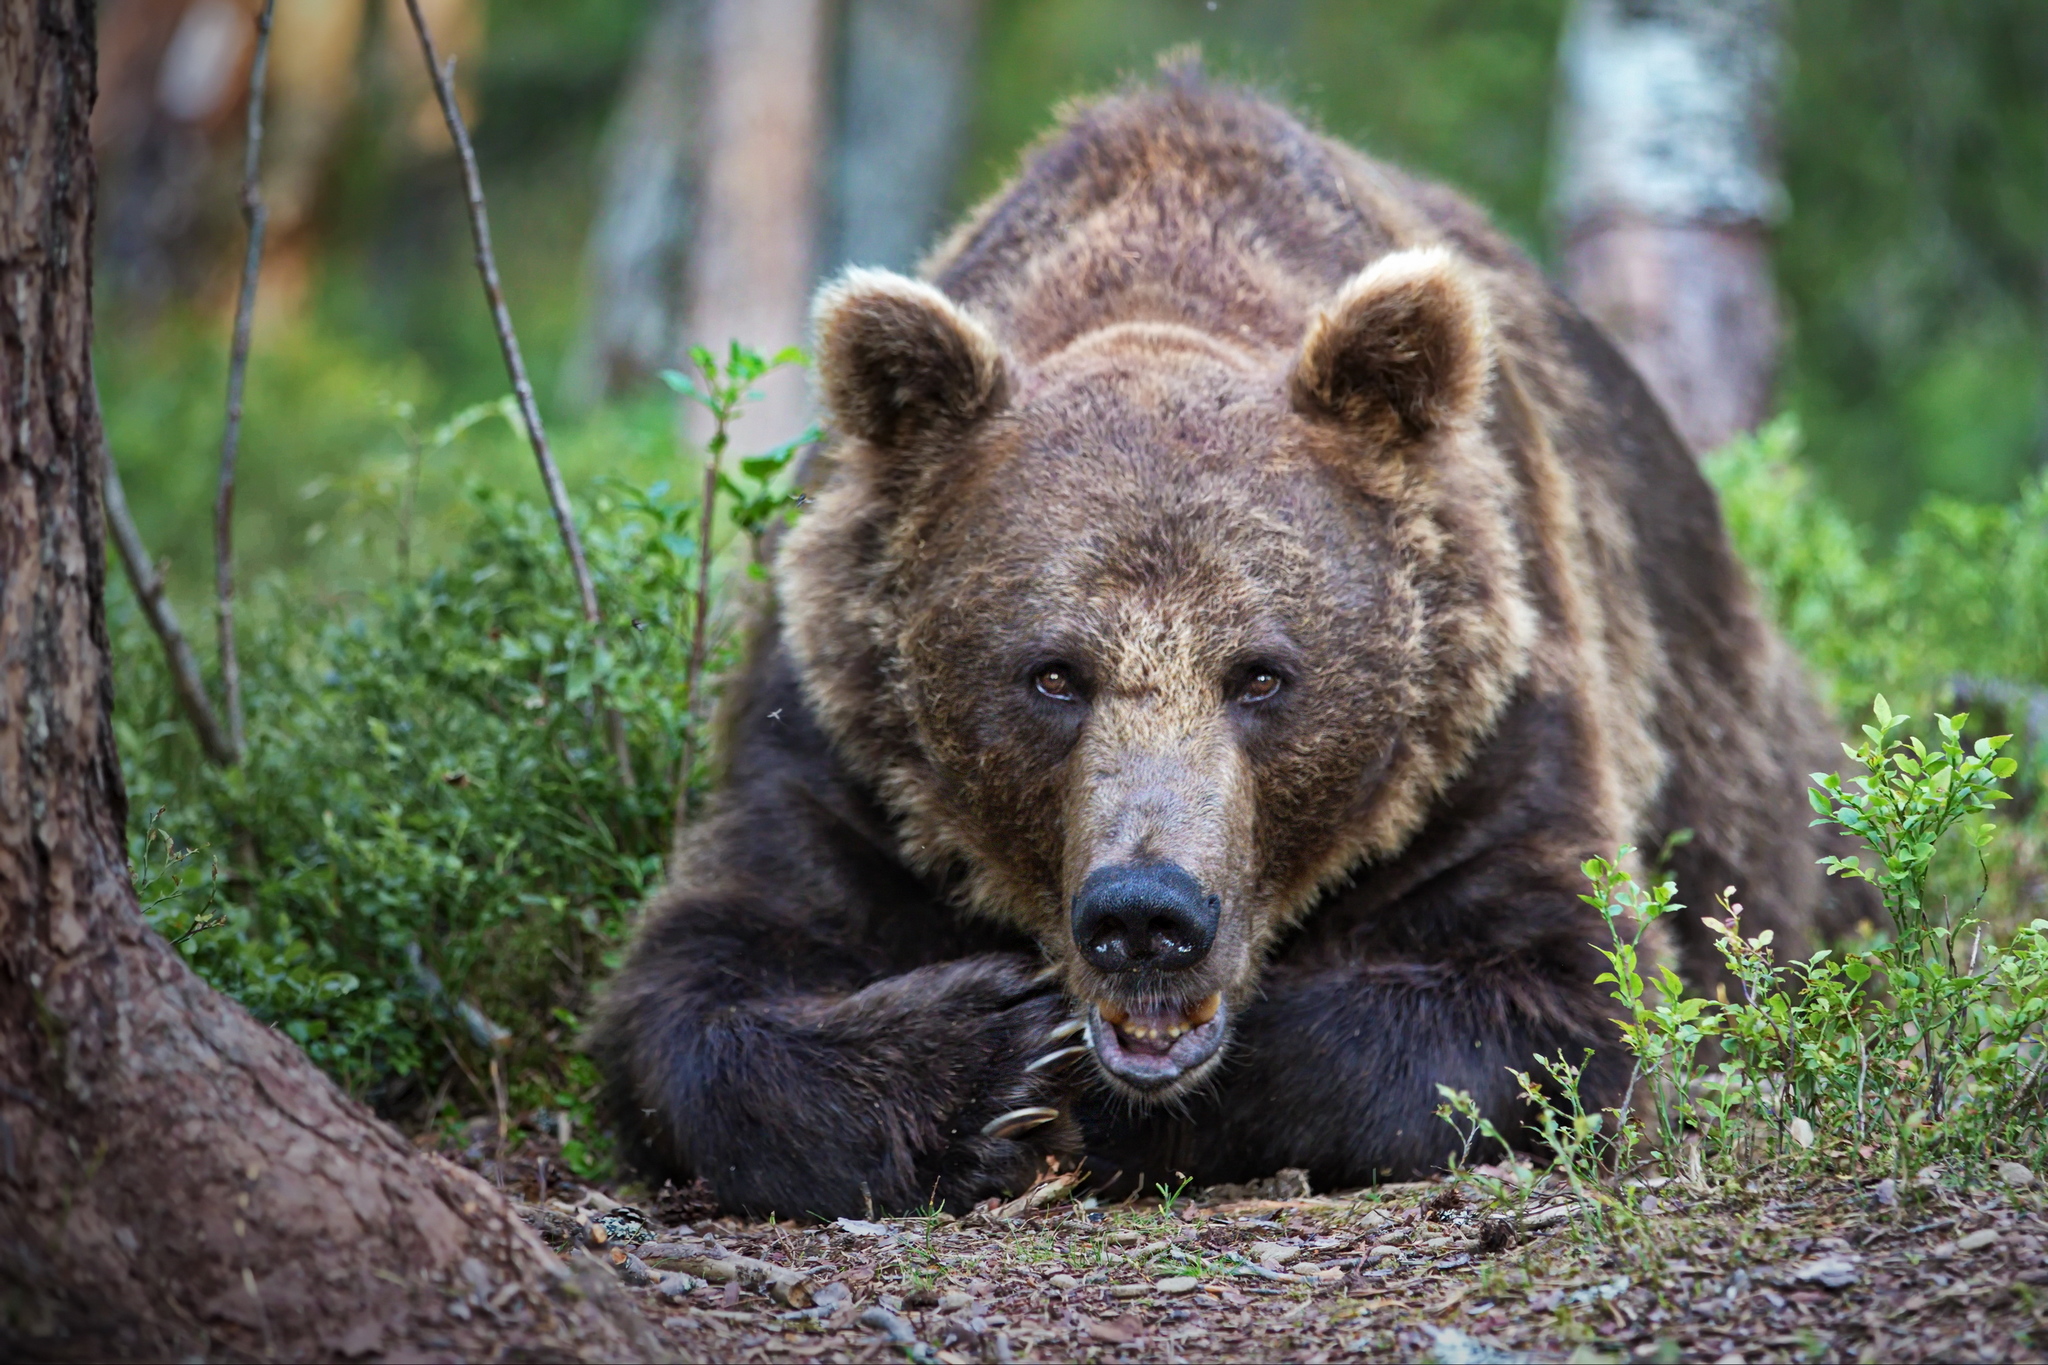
(1137, 916)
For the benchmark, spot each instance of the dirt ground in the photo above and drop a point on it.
(1782, 1270)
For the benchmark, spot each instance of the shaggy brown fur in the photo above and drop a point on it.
(1234, 531)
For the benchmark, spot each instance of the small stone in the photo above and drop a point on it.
(1831, 1272)
(1886, 1193)
(1178, 1284)
(2015, 1175)
(1116, 1331)
(1801, 1132)
(954, 1301)
(1065, 1282)
(1380, 1253)
(1273, 1255)
(1290, 1183)
(1977, 1240)
(1129, 1291)
(860, 1227)
(675, 1283)
(1454, 1347)
(899, 1332)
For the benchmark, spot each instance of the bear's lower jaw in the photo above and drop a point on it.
(1155, 1048)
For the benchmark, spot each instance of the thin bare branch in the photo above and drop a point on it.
(254, 215)
(443, 76)
(156, 609)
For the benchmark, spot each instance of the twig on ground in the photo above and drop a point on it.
(443, 76)
(156, 609)
(255, 216)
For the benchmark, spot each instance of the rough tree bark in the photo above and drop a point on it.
(751, 269)
(175, 1178)
(1665, 191)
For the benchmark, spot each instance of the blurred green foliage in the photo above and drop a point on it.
(1915, 262)
(1961, 594)
(1461, 91)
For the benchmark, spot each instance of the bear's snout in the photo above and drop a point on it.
(1144, 917)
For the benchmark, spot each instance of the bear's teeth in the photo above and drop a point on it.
(1204, 1010)
(1111, 1015)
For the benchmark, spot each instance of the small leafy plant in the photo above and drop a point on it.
(1923, 1047)
(722, 390)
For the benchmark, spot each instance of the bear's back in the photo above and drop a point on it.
(1185, 203)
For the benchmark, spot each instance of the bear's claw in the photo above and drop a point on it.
(1057, 1055)
(1018, 1121)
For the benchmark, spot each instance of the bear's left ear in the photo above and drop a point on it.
(1402, 352)
(899, 360)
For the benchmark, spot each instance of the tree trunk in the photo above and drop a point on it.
(751, 270)
(175, 1178)
(906, 79)
(1665, 192)
(634, 261)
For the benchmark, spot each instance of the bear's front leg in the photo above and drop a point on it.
(941, 1085)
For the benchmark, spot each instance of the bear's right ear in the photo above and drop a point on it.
(1403, 351)
(899, 360)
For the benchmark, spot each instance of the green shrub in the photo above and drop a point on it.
(430, 853)
(1928, 1045)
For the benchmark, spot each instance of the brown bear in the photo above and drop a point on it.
(1242, 595)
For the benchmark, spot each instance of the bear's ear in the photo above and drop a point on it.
(1403, 351)
(898, 360)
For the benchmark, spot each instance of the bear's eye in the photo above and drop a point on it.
(1057, 682)
(1260, 685)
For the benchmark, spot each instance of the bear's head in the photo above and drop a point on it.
(1148, 641)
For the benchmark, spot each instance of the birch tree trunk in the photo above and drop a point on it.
(751, 268)
(176, 1179)
(1665, 191)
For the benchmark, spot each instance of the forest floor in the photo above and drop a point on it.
(1783, 1270)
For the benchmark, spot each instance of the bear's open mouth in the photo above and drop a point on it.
(1151, 1046)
